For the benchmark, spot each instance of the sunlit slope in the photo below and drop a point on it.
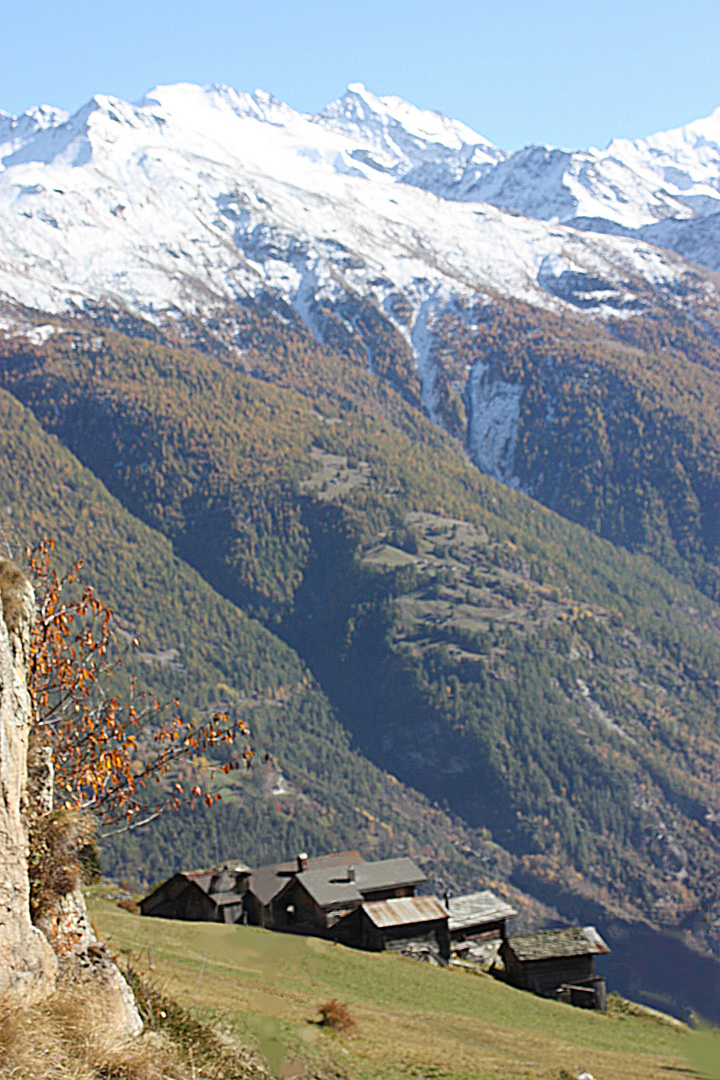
(615, 425)
(410, 1019)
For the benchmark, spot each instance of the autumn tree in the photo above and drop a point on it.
(115, 761)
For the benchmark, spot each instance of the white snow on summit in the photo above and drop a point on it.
(196, 196)
(629, 186)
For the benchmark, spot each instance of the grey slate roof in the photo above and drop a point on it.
(404, 911)
(478, 908)
(267, 881)
(204, 878)
(222, 899)
(332, 887)
(548, 944)
(201, 878)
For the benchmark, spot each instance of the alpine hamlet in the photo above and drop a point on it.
(376, 906)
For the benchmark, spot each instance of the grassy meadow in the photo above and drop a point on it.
(264, 990)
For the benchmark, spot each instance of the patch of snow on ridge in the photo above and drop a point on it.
(358, 108)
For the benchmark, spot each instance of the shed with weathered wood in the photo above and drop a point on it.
(478, 913)
(211, 895)
(410, 924)
(557, 963)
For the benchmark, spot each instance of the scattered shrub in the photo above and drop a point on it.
(54, 867)
(335, 1015)
(90, 865)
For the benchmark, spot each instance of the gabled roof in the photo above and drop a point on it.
(404, 911)
(267, 881)
(478, 908)
(201, 878)
(548, 944)
(335, 887)
(330, 888)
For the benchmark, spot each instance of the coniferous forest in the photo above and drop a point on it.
(519, 692)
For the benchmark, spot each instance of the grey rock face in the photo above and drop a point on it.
(65, 923)
(27, 963)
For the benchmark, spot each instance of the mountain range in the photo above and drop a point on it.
(407, 447)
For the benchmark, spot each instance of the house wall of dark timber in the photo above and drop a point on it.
(358, 930)
(493, 931)
(545, 976)
(387, 894)
(295, 907)
(179, 898)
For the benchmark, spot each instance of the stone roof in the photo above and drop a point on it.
(267, 881)
(216, 880)
(476, 909)
(549, 944)
(337, 886)
(404, 911)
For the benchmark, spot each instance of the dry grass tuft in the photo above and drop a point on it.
(128, 904)
(72, 1035)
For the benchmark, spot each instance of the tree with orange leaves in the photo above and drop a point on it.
(113, 760)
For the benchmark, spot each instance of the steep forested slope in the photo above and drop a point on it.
(615, 425)
(314, 792)
(544, 684)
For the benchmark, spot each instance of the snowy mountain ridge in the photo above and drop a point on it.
(181, 186)
(195, 198)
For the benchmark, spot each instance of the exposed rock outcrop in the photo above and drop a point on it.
(27, 963)
(63, 918)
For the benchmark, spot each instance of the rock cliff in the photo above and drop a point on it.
(27, 963)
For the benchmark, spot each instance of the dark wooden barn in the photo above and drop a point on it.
(268, 882)
(411, 924)
(212, 895)
(557, 963)
(317, 898)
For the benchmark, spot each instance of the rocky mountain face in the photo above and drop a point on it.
(64, 943)
(27, 963)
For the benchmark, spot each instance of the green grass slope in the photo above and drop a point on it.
(411, 1020)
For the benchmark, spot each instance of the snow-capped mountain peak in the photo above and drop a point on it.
(200, 195)
(362, 110)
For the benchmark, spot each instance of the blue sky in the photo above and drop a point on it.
(569, 74)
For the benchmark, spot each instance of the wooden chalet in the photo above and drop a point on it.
(212, 895)
(557, 963)
(316, 899)
(267, 882)
(477, 925)
(411, 924)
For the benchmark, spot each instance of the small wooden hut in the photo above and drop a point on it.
(557, 963)
(478, 925)
(410, 924)
(212, 895)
